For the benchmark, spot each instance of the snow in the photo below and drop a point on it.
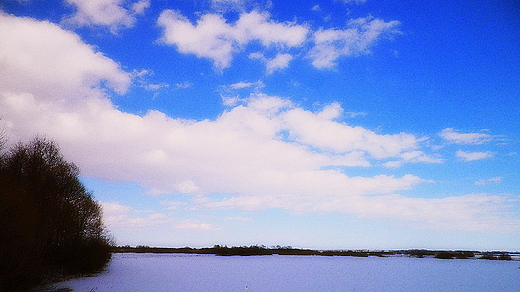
(181, 272)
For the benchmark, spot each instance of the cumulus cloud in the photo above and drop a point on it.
(110, 13)
(452, 136)
(141, 6)
(470, 156)
(42, 58)
(358, 38)
(213, 38)
(281, 61)
(321, 131)
(265, 152)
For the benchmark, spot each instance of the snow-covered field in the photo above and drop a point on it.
(191, 273)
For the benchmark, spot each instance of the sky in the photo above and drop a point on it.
(332, 124)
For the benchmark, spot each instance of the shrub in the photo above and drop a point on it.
(444, 255)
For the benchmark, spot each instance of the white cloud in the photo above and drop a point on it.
(110, 13)
(230, 100)
(470, 156)
(331, 111)
(355, 114)
(483, 182)
(141, 6)
(264, 153)
(320, 131)
(473, 212)
(184, 85)
(155, 87)
(213, 38)
(140, 77)
(413, 157)
(229, 92)
(280, 61)
(242, 84)
(116, 215)
(357, 39)
(258, 26)
(194, 224)
(454, 137)
(172, 205)
(228, 2)
(52, 62)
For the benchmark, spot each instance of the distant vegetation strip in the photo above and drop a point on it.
(256, 250)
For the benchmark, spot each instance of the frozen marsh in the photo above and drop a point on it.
(182, 272)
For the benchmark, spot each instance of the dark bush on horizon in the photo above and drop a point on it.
(50, 227)
(454, 254)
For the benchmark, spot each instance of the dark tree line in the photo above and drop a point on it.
(50, 226)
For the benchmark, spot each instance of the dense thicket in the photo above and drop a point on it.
(50, 227)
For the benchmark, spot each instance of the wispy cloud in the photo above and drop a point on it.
(483, 182)
(194, 224)
(183, 85)
(239, 5)
(231, 97)
(116, 215)
(358, 38)
(471, 156)
(414, 157)
(352, 1)
(172, 205)
(242, 84)
(452, 136)
(355, 114)
(237, 218)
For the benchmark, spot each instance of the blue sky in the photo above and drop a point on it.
(316, 124)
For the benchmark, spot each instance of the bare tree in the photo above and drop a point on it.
(50, 226)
